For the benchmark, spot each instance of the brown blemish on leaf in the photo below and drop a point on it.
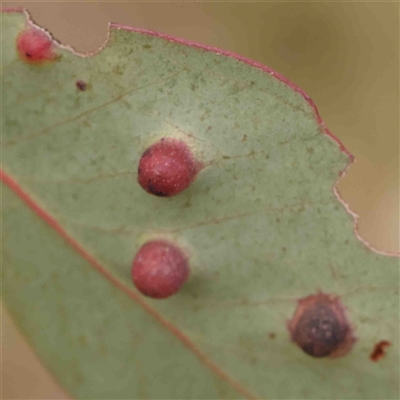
(320, 327)
(272, 335)
(379, 350)
(81, 85)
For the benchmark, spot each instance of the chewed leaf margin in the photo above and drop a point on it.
(227, 53)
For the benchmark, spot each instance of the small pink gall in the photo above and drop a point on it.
(159, 269)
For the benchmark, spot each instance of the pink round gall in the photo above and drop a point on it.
(159, 269)
(35, 47)
(167, 168)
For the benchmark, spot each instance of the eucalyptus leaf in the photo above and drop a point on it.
(262, 223)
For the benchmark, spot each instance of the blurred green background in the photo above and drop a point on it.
(344, 55)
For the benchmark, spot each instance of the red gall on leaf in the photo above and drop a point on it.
(35, 46)
(159, 269)
(167, 168)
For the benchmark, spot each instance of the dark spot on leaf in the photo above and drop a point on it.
(81, 85)
(272, 335)
(379, 350)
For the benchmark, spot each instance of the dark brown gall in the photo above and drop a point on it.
(320, 328)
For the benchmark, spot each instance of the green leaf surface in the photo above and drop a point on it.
(262, 224)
